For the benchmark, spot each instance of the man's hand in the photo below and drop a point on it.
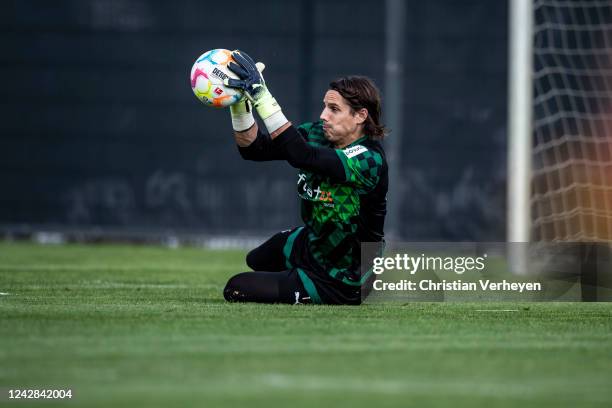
(251, 82)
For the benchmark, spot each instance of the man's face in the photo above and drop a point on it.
(341, 125)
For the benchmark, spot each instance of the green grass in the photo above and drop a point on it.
(147, 326)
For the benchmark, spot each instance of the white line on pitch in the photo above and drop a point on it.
(497, 310)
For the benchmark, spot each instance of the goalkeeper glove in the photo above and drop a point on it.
(251, 82)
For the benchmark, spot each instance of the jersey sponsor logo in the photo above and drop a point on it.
(309, 192)
(354, 151)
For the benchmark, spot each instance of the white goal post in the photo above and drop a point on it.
(519, 130)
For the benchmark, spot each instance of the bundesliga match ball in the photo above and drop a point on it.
(207, 75)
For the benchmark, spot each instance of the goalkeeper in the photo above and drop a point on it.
(342, 185)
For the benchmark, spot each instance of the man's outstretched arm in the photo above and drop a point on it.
(254, 145)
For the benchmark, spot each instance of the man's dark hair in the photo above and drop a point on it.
(361, 92)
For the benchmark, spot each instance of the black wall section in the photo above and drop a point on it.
(99, 126)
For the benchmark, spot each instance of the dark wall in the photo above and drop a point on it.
(454, 155)
(100, 127)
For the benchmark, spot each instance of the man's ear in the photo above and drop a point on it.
(361, 115)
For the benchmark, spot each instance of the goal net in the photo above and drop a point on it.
(571, 197)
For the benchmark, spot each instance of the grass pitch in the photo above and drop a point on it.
(148, 326)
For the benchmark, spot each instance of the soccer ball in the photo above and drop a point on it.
(207, 75)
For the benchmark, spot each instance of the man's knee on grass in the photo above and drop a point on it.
(233, 289)
(261, 287)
